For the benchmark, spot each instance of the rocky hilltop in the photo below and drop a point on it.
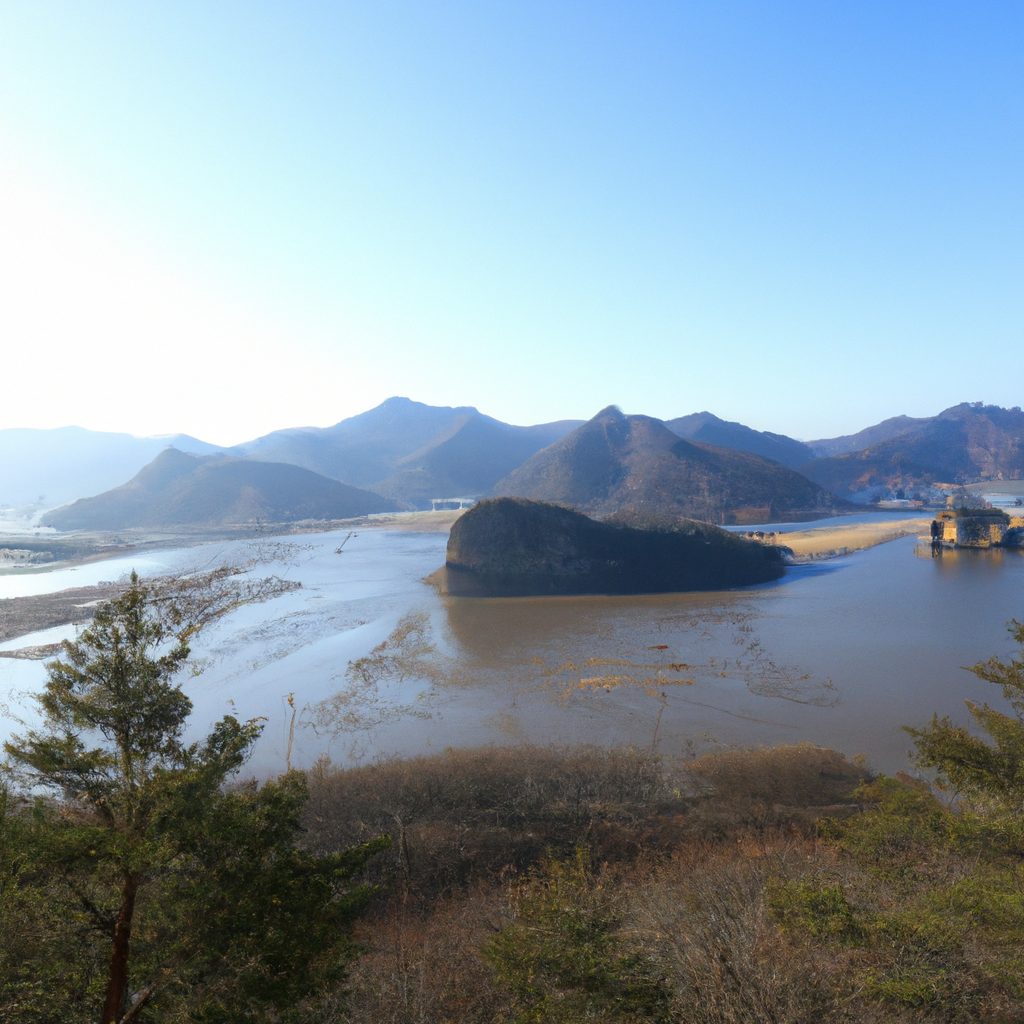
(616, 463)
(177, 490)
(513, 547)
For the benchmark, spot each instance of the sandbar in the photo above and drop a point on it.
(834, 541)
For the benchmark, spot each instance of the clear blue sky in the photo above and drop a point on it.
(228, 218)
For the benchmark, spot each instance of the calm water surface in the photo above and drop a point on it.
(839, 654)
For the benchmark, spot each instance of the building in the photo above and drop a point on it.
(977, 528)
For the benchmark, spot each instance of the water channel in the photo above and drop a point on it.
(839, 653)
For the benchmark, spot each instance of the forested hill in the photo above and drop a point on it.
(963, 444)
(177, 489)
(616, 462)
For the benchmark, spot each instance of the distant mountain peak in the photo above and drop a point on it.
(711, 429)
(410, 451)
(399, 403)
(963, 444)
(615, 462)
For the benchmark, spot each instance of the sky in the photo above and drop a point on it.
(229, 218)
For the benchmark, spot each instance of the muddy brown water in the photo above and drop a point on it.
(839, 654)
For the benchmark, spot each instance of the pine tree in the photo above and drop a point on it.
(988, 771)
(200, 892)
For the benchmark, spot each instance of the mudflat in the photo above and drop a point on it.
(23, 615)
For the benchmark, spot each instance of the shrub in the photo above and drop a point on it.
(562, 956)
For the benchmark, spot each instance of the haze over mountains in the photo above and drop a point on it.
(408, 453)
(177, 489)
(51, 467)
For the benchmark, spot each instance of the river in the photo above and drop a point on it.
(840, 653)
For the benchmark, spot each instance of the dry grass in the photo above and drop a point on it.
(413, 522)
(469, 815)
(710, 873)
(832, 541)
(465, 817)
(703, 918)
(790, 778)
(427, 967)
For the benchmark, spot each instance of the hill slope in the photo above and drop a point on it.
(410, 451)
(177, 489)
(895, 426)
(706, 427)
(52, 467)
(507, 547)
(964, 444)
(615, 462)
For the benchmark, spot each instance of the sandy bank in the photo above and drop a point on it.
(411, 522)
(833, 541)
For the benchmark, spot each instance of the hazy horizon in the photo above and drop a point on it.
(227, 221)
(170, 435)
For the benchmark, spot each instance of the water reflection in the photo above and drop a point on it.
(658, 668)
(657, 640)
(840, 653)
(974, 560)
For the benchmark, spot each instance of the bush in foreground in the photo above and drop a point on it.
(782, 886)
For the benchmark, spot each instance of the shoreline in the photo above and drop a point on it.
(825, 542)
(93, 546)
(832, 541)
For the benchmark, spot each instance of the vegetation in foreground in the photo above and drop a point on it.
(135, 884)
(518, 884)
(783, 885)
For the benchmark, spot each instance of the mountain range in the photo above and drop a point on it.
(51, 467)
(703, 426)
(895, 426)
(408, 453)
(964, 444)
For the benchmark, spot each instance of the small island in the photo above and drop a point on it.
(515, 547)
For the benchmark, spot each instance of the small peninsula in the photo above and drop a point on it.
(515, 547)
